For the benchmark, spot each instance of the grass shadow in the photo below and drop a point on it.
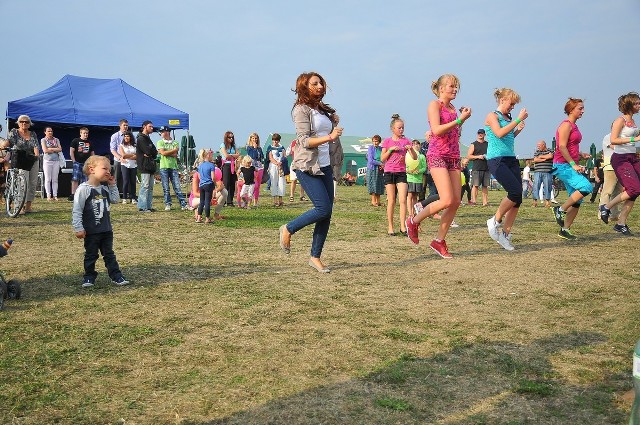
(483, 383)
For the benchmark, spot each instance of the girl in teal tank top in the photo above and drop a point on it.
(500, 146)
(501, 132)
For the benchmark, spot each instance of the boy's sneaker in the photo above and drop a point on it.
(494, 228)
(124, 201)
(120, 281)
(505, 241)
(623, 228)
(559, 216)
(412, 230)
(186, 208)
(88, 282)
(167, 207)
(418, 207)
(566, 234)
(440, 248)
(605, 213)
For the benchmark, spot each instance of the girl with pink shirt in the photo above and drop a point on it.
(394, 150)
(443, 158)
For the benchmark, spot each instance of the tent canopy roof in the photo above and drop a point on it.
(92, 101)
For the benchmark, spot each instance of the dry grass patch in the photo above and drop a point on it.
(220, 327)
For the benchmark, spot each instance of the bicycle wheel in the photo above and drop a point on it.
(15, 193)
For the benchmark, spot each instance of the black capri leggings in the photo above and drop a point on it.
(506, 170)
(229, 181)
(206, 192)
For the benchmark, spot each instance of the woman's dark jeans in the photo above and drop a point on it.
(319, 189)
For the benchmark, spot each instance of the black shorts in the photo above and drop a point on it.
(395, 178)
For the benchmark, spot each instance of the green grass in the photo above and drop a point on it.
(393, 404)
(220, 327)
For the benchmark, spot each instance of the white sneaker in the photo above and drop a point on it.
(505, 241)
(494, 228)
(454, 224)
(167, 207)
(124, 201)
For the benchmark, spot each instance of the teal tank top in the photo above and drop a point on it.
(500, 146)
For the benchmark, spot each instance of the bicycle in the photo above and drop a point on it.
(15, 192)
(557, 186)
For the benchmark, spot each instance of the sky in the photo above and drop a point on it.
(232, 65)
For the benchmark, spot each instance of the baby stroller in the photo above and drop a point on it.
(9, 289)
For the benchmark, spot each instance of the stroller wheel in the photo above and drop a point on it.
(13, 290)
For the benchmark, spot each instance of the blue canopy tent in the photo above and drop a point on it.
(98, 104)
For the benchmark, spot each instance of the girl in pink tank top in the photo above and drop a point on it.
(445, 145)
(443, 157)
(393, 154)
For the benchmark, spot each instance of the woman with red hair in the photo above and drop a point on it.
(317, 150)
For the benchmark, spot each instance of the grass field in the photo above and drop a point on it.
(220, 327)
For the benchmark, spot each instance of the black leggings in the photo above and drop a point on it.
(506, 170)
(206, 192)
(129, 176)
(466, 188)
(429, 199)
(229, 181)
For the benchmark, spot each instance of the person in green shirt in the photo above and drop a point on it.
(168, 150)
(415, 171)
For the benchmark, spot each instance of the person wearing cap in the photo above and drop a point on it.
(146, 153)
(168, 150)
(114, 146)
(480, 174)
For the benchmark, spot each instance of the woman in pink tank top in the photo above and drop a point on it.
(443, 158)
(567, 168)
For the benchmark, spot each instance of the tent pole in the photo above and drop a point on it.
(187, 153)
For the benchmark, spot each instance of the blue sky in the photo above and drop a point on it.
(231, 65)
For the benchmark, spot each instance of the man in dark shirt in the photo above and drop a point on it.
(79, 152)
(146, 153)
(480, 174)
